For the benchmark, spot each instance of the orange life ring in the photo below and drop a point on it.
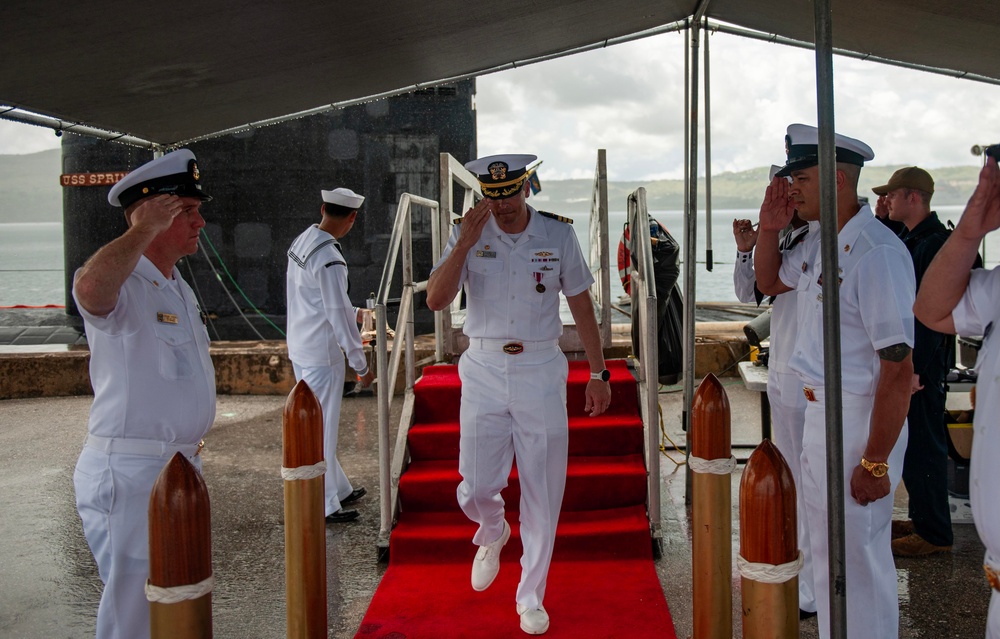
(624, 260)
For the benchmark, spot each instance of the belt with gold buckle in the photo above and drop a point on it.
(513, 348)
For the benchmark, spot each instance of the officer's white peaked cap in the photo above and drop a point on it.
(802, 149)
(174, 173)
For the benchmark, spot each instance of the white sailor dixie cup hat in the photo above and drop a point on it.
(343, 197)
(174, 173)
(501, 176)
(802, 149)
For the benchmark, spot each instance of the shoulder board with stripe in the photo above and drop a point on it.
(566, 220)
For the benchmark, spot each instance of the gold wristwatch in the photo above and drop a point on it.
(877, 469)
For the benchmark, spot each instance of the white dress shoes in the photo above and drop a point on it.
(534, 621)
(487, 562)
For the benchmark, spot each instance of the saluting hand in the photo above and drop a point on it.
(982, 213)
(745, 234)
(473, 222)
(777, 209)
(157, 213)
(881, 208)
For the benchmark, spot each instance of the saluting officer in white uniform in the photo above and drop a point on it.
(784, 389)
(154, 384)
(954, 298)
(514, 261)
(320, 322)
(876, 319)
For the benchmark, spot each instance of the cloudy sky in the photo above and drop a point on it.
(628, 99)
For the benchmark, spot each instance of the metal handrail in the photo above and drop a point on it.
(392, 463)
(643, 292)
(390, 467)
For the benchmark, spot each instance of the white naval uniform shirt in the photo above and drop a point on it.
(877, 289)
(321, 319)
(784, 322)
(978, 313)
(149, 363)
(501, 278)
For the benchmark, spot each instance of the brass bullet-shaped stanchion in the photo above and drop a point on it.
(305, 528)
(180, 583)
(711, 497)
(769, 553)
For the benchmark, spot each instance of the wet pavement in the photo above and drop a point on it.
(49, 586)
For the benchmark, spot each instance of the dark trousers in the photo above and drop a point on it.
(925, 467)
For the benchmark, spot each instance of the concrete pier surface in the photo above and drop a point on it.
(49, 587)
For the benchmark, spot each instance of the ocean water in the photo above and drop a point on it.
(31, 264)
(32, 270)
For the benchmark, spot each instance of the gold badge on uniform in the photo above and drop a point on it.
(166, 318)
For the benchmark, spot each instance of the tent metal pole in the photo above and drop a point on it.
(831, 320)
(709, 261)
(690, 234)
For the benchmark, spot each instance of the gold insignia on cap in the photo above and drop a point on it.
(498, 170)
(145, 190)
(788, 144)
(195, 173)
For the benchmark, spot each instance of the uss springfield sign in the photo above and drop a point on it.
(91, 179)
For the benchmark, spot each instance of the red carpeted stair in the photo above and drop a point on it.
(602, 582)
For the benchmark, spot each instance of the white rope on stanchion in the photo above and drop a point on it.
(303, 472)
(769, 573)
(177, 594)
(721, 466)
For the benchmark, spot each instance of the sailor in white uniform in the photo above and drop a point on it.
(513, 262)
(953, 298)
(876, 290)
(322, 326)
(784, 389)
(154, 384)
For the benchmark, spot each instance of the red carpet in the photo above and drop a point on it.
(602, 582)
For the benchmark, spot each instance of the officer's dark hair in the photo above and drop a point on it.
(337, 210)
(924, 196)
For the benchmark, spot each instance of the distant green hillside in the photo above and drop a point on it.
(29, 187)
(743, 190)
(30, 190)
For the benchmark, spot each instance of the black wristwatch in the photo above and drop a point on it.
(603, 376)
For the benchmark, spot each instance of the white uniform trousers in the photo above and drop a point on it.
(327, 384)
(788, 410)
(112, 497)
(872, 593)
(514, 406)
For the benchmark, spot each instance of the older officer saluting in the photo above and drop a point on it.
(876, 319)
(154, 384)
(513, 262)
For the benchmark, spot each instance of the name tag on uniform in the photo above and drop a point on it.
(486, 254)
(166, 318)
